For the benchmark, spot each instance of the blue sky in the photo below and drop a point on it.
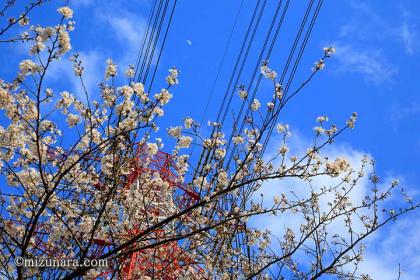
(374, 72)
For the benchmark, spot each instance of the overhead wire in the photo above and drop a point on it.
(204, 153)
(140, 53)
(149, 43)
(242, 65)
(227, 45)
(302, 49)
(242, 235)
(155, 43)
(257, 66)
(163, 45)
(285, 69)
(221, 62)
(231, 87)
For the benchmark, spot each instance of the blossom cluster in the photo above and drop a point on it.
(91, 173)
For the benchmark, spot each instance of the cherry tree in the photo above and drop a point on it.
(82, 181)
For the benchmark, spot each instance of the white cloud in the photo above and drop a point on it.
(408, 38)
(128, 28)
(407, 33)
(363, 24)
(396, 243)
(366, 36)
(399, 244)
(399, 112)
(62, 72)
(94, 69)
(302, 189)
(80, 3)
(370, 63)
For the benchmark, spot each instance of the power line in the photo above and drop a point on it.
(204, 154)
(221, 62)
(258, 64)
(285, 68)
(242, 236)
(242, 64)
(289, 59)
(149, 43)
(152, 11)
(219, 70)
(270, 117)
(220, 123)
(146, 55)
(210, 154)
(302, 49)
(155, 43)
(163, 45)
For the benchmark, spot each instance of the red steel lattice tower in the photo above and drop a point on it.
(166, 261)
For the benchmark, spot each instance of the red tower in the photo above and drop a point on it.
(166, 261)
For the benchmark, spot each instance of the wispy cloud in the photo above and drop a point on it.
(128, 29)
(116, 20)
(93, 74)
(399, 112)
(407, 34)
(366, 26)
(408, 38)
(372, 64)
(399, 245)
(80, 3)
(293, 187)
(385, 249)
(363, 24)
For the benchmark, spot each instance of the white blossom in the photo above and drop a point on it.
(319, 65)
(199, 181)
(130, 71)
(24, 20)
(175, 132)
(184, 141)
(66, 12)
(243, 94)
(255, 105)
(127, 91)
(28, 67)
(220, 153)
(328, 51)
(321, 119)
(152, 148)
(111, 69)
(281, 128)
(64, 41)
(163, 97)
(267, 72)
(238, 140)
(283, 150)
(72, 120)
(172, 78)
(6, 98)
(352, 120)
(188, 122)
(338, 166)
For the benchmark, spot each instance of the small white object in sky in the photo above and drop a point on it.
(189, 42)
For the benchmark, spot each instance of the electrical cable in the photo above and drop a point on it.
(163, 45)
